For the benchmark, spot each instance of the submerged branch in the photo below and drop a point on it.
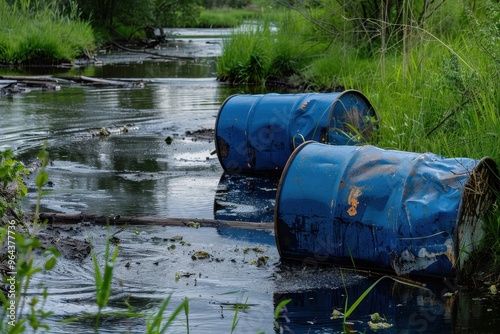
(62, 218)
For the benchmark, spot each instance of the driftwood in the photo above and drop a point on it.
(62, 218)
(12, 84)
(41, 78)
(156, 54)
(105, 82)
(15, 84)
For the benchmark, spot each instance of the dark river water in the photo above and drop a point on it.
(137, 173)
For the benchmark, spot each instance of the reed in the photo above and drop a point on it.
(154, 324)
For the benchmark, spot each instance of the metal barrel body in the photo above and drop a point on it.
(408, 213)
(258, 133)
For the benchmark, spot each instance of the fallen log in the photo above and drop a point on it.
(104, 82)
(63, 218)
(42, 78)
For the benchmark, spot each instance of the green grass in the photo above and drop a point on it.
(226, 17)
(42, 35)
(253, 55)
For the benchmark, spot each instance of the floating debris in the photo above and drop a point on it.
(376, 317)
(255, 249)
(377, 322)
(378, 325)
(337, 314)
(113, 130)
(200, 255)
(104, 132)
(178, 275)
(193, 224)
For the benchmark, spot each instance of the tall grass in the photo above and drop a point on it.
(255, 54)
(246, 57)
(32, 34)
(225, 17)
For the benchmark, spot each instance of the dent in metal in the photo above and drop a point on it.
(406, 212)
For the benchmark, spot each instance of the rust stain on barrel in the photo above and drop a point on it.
(352, 200)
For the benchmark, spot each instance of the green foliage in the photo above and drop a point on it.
(492, 239)
(176, 13)
(154, 324)
(236, 312)
(103, 280)
(366, 24)
(278, 313)
(21, 248)
(246, 56)
(225, 3)
(12, 186)
(225, 18)
(255, 54)
(217, 19)
(25, 269)
(348, 310)
(36, 32)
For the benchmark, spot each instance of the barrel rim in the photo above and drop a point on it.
(279, 188)
(490, 167)
(217, 128)
(367, 101)
(329, 113)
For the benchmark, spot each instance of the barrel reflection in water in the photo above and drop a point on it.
(245, 198)
(321, 308)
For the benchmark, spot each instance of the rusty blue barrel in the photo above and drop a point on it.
(258, 133)
(402, 212)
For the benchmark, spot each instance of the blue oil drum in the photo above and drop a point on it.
(258, 133)
(366, 207)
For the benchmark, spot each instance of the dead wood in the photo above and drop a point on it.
(103, 82)
(63, 218)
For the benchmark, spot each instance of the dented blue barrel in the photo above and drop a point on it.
(258, 133)
(402, 212)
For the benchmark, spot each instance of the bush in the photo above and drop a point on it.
(12, 186)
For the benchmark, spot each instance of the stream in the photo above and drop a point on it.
(140, 173)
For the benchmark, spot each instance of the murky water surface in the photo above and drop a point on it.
(138, 173)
